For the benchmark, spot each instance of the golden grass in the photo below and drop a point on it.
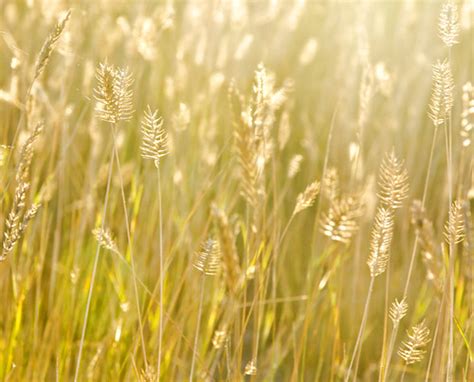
(298, 196)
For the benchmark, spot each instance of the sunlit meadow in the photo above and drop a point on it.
(233, 190)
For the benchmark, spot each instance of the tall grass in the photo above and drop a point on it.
(296, 205)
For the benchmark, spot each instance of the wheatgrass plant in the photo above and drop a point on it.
(448, 32)
(114, 104)
(393, 190)
(412, 350)
(155, 146)
(207, 261)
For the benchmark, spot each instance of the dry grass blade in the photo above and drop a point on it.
(340, 222)
(208, 259)
(413, 349)
(306, 199)
(393, 181)
(155, 138)
(442, 93)
(381, 240)
(113, 93)
(454, 228)
(448, 23)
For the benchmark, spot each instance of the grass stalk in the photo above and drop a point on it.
(94, 270)
(130, 246)
(198, 325)
(358, 343)
(162, 272)
(393, 335)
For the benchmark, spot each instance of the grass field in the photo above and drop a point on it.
(227, 190)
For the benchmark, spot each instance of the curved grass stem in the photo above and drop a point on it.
(130, 246)
(198, 324)
(358, 344)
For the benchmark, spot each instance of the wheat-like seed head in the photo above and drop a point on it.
(230, 260)
(49, 44)
(294, 166)
(105, 239)
(393, 181)
(148, 374)
(306, 199)
(266, 100)
(442, 93)
(246, 148)
(448, 24)
(382, 234)
(330, 187)
(366, 92)
(26, 155)
(30, 213)
(260, 117)
(423, 226)
(220, 339)
(11, 233)
(260, 86)
(208, 259)
(467, 116)
(340, 222)
(426, 237)
(17, 220)
(113, 93)
(454, 228)
(398, 310)
(284, 130)
(413, 349)
(155, 138)
(251, 367)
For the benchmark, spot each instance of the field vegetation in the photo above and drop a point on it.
(236, 190)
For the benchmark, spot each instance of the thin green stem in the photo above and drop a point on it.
(435, 337)
(361, 330)
(402, 378)
(162, 272)
(394, 333)
(130, 246)
(302, 351)
(94, 271)
(201, 298)
(385, 326)
(449, 372)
